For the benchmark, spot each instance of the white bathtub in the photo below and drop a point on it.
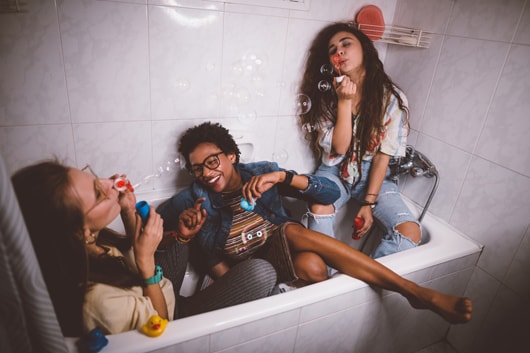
(341, 314)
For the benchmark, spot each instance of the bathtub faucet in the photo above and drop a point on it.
(416, 164)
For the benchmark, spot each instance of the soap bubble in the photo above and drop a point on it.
(165, 168)
(280, 156)
(247, 117)
(308, 127)
(303, 104)
(326, 69)
(324, 86)
(182, 85)
(210, 67)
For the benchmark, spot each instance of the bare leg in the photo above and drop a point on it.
(310, 267)
(411, 230)
(356, 264)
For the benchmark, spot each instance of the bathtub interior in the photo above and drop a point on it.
(297, 210)
(435, 250)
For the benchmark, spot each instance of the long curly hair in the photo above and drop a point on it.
(54, 219)
(376, 91)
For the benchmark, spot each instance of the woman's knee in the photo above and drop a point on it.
(320, 209)
(310, 267)
(410, 230)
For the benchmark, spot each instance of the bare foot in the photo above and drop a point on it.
(455, 310)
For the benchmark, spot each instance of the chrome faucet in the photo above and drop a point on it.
(416, 164)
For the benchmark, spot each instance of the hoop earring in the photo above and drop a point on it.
(92, 239)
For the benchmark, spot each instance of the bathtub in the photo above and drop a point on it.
(341, 314)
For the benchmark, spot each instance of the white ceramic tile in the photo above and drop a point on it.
(166, 135)
(258, 132)
(481, 289)
(493, 209)
(252, 64)
(375, 325)
(463, 85)
(198, 345)
(487, 19)
(338, 303)
(427, 15)
(523, 30)
(451, 164)
(519, 271)
(115, 148)
(399, 319)
(504, 137)
(256, 10)
(334, 333)
(342, 10)
(300, 33)
(185, 62)
(32, 81)
(194, 4)
(291, 150)
(454, 266)
(506, 326)
(412, 69)
(24, 145)
(106, 54)
(253, 330)
(280, 341)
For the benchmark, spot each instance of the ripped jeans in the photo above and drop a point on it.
(390, 209)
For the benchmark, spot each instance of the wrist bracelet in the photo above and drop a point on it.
(156, 278)
(182, 239)
(288, 177)
(366, 203)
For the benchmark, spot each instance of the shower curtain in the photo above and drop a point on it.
(27, 319)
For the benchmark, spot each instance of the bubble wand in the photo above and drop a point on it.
(336, 61)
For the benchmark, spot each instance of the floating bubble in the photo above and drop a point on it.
(247, 117)
(308, 127)
(182, 85)
(303, 104)
(165, 168)
(326, 69)
(210, 67)
(281, 156)
(324, 86)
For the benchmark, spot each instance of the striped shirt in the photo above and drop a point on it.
(249, 230)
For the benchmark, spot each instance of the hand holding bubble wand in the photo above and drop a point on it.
(336, 61)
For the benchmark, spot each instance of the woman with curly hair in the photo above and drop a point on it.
(355, 128)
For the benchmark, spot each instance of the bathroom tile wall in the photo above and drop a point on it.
(469, 111)
(114, 83)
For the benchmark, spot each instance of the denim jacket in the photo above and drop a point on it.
(214, 232)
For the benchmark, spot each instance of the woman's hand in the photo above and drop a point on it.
(192, 219)
(145, 242)
(346, 89)
(258, 184)
(365, 213)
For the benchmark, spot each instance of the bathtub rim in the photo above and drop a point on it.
(452, 245)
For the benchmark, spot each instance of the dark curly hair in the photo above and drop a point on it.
(377, 89)
(207, 132)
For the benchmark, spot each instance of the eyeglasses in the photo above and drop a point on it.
(99, 190)
(211, 162)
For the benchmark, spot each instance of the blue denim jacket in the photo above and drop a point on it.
(214, 232)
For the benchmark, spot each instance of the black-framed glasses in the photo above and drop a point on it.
(211, 162)
(99, 190)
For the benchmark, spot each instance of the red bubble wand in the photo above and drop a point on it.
(336, 61)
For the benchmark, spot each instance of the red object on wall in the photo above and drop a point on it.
(371, 22)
